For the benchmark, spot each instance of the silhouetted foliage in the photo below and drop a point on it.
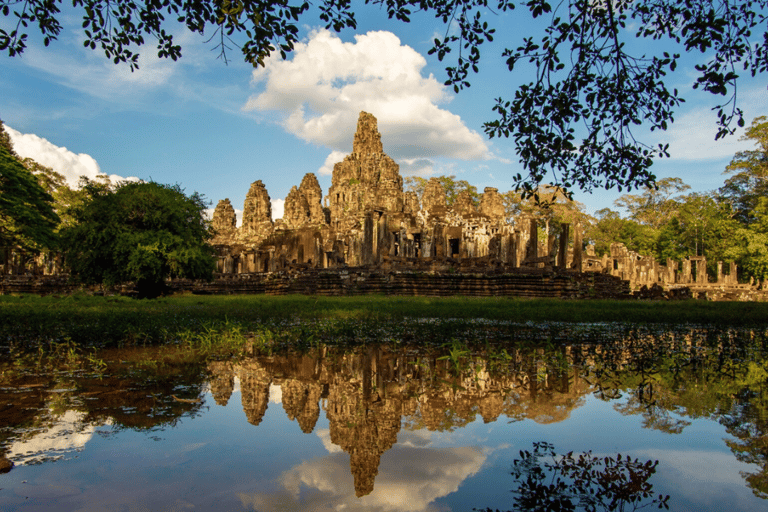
(572, 124)
(549, 482)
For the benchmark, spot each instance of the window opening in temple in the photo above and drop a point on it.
(453, 243)
(615, 264)
(266, 264)
(694, 268)
(417, 245)
(301, 254)
(397, 243)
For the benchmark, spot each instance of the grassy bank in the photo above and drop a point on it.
(110, 321)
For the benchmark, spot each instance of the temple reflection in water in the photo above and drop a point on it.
(394, 427)
(369, 395)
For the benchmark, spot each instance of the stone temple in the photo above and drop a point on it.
(367, 220)
(369, 236)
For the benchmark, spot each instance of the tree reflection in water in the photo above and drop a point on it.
(549, 482)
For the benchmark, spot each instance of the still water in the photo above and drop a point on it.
(396, 428)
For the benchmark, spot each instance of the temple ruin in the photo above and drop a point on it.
(368, 235)
(367, 227)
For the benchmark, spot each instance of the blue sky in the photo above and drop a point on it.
(216, 128)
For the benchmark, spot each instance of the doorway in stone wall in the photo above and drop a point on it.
(453, 246)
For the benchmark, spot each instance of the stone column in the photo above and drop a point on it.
(533, 240)
(701, 271)
(578, 256)
(686, 277)
(562, 252)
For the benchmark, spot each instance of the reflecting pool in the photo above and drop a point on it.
(647, 414)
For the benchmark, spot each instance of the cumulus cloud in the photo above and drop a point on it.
(278, 209)
(332, 159)
(71, 165)
(321, 91)
(423, 167)
(408, 479)
(275, 394)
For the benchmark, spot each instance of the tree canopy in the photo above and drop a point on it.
(27, 216)
(572, 124)
(749, 173)
(140, 232)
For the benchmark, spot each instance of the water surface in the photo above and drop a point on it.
(389, 427)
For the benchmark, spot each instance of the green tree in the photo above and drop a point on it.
(140, 232)
(451, 185)
(749, 243)
(572, 124)
(656, 205)
(549, 205)
(610, 228)
(749, 173)
(701, 226)
(27, 217)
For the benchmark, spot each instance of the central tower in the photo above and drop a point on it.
(365, 180)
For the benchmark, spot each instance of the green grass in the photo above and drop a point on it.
(267, 321)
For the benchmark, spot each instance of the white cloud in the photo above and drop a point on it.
(91, 73)
(275, 394)
(408, 479)
(332, 159)
(325, 437)
(68, 433)
(71, 165)
(692, 138)
(322, 90)
(423, 167)
(278, 210)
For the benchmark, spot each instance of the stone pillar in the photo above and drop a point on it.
(533, 240)
(578, 256)
(720, 276)
(733, 278)
(686, 277)
(701, 271)
(368, 239)
(562, 252)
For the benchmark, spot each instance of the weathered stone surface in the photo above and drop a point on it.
(370, 222)
(310, 189)
(464, 205)
(411, 205)
(433, 199)
(303, 205)
(222, 381)
(366, 179)
(492, 204)
(224, 220)
(257, 212)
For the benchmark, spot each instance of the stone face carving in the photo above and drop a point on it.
(366, 179)
(224, 219)
(257, 212)
(303, 205)
(463, 204)
(433, 199)
(492, 204)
